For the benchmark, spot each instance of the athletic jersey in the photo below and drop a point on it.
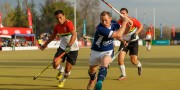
(148, 35)
(102, 37)
(133, 29)
(65, 35)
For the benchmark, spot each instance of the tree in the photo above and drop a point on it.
(48, 19)
(20, 17)
(89, 11)
(6, 8)
(16, 17)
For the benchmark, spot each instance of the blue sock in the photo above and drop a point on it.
(102, 74)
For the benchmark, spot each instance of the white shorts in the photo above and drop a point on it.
(96, 57)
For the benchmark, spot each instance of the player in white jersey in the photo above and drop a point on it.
(68, 45)
(148, 39)
(129, 42)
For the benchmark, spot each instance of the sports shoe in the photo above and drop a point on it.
(60, 84)
(91, 84)
(122, 77)
(139, 71)
(59, 75)
(98, 85)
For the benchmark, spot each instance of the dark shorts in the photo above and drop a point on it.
(71, 57)
(132, 48)
(148, 40)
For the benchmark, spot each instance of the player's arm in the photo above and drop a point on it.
(73, 37)
(73, 32)
(72, 40)
(123, 41)
(139, 25)
(118, 33)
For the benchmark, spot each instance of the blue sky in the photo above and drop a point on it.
(166, 11)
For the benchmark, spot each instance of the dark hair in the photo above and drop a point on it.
(106, 13)
(124, 9)
(59, 12)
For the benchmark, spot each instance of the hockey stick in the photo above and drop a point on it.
(35, 77)
(113, 8)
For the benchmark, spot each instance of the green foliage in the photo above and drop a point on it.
(160, 70)
(16, 17)
(48, 19)
(8, 19)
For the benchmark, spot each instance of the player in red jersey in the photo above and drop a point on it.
(68, 44)
(130, 43)
(148, 39)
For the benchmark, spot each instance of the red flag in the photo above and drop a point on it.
(173, 31)
(29, 18)
(0, 18)
(1, 26)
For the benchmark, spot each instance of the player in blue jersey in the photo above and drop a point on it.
(102, 48)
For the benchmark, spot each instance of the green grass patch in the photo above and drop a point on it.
(161, 70)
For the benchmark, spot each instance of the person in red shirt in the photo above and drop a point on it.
(148, 39)
(68, 44)
(129, 41)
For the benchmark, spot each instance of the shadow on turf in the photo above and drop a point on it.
(23, 85)
(41, 78)
(55, 87)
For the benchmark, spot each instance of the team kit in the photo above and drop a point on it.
(126, 30)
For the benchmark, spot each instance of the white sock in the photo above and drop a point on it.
(60, 68)
(63, 77)
(149, 47)
(139, 64)
(122, 69)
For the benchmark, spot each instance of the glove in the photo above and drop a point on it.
(67, 49)
(133, 36)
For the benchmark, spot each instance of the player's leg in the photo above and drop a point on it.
(94, 61)
(149, 45)
(60, 73)
(106, 59)
(137, 63)
(66, 74)
(92, 74)
(71, 58)
(121, 64)
(56, 63)
(133, 56)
